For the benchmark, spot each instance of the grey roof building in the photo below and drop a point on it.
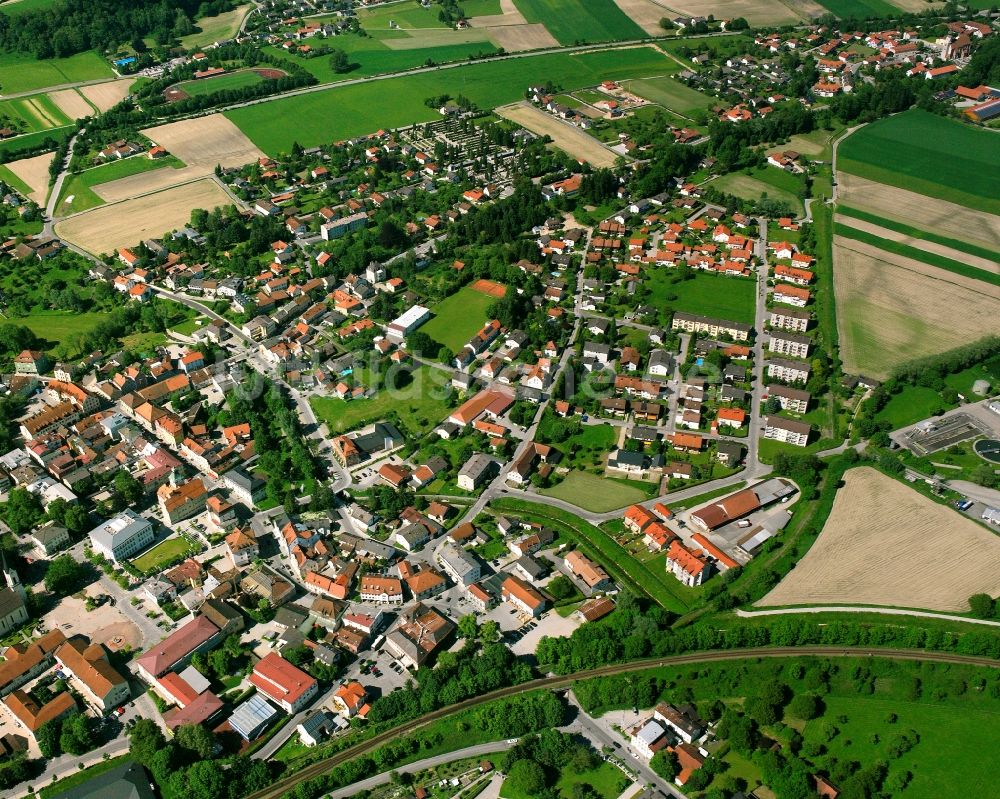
(127, 781)
(252, 717)
(461, 566)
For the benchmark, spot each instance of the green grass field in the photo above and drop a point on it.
(926, 257)
(211, 29)
(231, 80)
(918, 233)
(458, 318)
(161, 554)
(31, 114)
(404, 15)
(30, 140)
(911, 405)
(572, 21)
(480, 8)
(775, 183)
(928, 154)
(61, 327)
(342, 112)
(80, 186)
(14, 181)
(708, 294)
(859, 9)
(606, 780)
(594, 493)
(419, 404)
(20, 7)
(670, 93)
(22, 73)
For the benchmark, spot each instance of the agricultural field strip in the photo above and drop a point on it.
(882, 545)
(918, 248)
(566, 137)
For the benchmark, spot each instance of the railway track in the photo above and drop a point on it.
(555, 683)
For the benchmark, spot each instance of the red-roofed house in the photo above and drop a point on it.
(286, 685)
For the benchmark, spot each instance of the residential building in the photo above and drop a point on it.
(479, 469)
(50, 538)
(384, 590)
(691, 567)
(788, 431)
(791, 399)
(694, 323)
(790, 319)
(420, 633)
(460, 565)
(588, 572)
(179, 502)
(789, 344)
(350, 698)
(523, 596)
(788, 371)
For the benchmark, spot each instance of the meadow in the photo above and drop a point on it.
(458, 318)
(911, 405)
(31, 114)
(342, 112)
(775, 183)
(221, 26)
(671, 94)
(24, 73)
(572, 21)
(708, 294)
(929, 154)
(80, 186)
(421, 403)
(594, 493)
(61, 328)
(859, 9)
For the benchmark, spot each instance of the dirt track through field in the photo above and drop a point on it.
(107, 95)
(892, 309)
(942, 217)
(34, 172)
(124, 224)
(886, 544)
(987, 265)
(574, 141)
(71, 104)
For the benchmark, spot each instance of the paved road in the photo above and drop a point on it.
(201, 308)
(56, 190)
(752, 614)
(420, 765)
(278, 788)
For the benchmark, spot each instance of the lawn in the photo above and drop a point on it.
(239, 79)
(594, 493)
(458, 318)
(859, 9)
(708, 294)
(932, 258)
(929, 154)
(23, 73)
(212, 29)
(61, 327)
(911, 405)
(607, 781)
(342, 112)
(79, 186)
(164, 552)
(572, 21)
(918, 233)
(670, 93)
(775, 184)
(420, 404)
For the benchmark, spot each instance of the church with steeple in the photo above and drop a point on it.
(13, 599)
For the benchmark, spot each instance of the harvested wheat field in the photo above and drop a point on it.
(509, 15)
(886, 544)
(123, 224)
(986, 264)
(942, 217)
(573, 140)
(511, 31)
(756, 12)
(206, 142)
(107, 95)
(148, 182)
(644, 13)
(892, 309)
(34, 172)
(71, 103)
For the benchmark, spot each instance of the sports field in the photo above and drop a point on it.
(572, 21)
(594, 493)
(23, 73)
(928, 154)
(884, 544)
(221, 83)
(568, 138)
(670, 93)
(342, 112)
(775, 183)
(458, 318)
(79, 192)
(892, 309)
(421, 404)
(124, 224)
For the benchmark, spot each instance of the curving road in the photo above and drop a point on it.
(278, 788)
